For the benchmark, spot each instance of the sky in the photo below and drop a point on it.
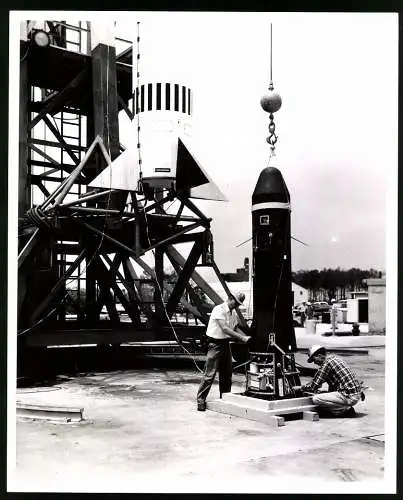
(337, 127)
(337, 75)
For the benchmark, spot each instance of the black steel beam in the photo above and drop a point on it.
(38, 178)
(44, 155)
(77, 171)
(105, 100)
(105, 296)
(196, 311)
(212, 294)
(132, 278)
(54, 144)
(173, 238)
(117, 243)
(57, 287)
(62, 142)
(42, 188)
(106, 109)
(108, 334)
(109, 277)
(242, 320)
(86, 198)
(125, 108)
(192, 207)
(24, 191)
(186, 238)
(184, 277)
(54, 105)
(33, 240)
(60, 166)
(134, 302)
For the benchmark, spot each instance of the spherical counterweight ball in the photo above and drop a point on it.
(271, 102)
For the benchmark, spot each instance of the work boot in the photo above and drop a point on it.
(350, 413)
(201, 406)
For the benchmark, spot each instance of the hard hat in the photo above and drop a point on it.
(315, 349)
(239, 297)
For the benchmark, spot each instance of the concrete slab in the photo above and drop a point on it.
(143, 433)
(268, 412)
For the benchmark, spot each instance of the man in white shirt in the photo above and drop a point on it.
(222, 327)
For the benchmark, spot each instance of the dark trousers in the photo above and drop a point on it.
(219, 358)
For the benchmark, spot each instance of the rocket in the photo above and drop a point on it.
(271, 237)
(160, 152)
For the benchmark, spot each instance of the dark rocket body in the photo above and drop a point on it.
(271, 240)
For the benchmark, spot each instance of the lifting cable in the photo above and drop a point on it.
(140, 189)
(272, 139)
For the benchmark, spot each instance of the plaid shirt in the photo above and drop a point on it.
(338, 375)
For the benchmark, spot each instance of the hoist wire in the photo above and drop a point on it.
(135, 104)
(271, 53)
(137, 110)
(164, 307)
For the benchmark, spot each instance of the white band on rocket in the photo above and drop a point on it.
(271, 204)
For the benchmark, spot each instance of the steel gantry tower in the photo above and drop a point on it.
(81, 247)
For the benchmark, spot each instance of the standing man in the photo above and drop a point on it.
(344, 388)
(221, 328)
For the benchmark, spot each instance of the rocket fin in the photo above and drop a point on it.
(122, 173)
(191, 176)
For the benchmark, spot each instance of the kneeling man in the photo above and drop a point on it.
(344, 388)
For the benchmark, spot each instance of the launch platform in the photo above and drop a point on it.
(272, 412)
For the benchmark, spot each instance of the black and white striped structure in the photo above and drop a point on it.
(161, 153)
(162, 96)
(271, 237)
(163, 112)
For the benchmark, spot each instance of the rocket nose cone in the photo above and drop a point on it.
(270, 187)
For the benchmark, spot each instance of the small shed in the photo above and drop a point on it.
(376, 306)
(357, 307)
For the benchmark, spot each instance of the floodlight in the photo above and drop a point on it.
(41, 38)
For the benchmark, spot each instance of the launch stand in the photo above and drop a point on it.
(86, 223)
(270, 396)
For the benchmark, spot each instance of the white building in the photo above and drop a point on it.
(300, 294)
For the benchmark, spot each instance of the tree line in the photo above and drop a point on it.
(327, 284)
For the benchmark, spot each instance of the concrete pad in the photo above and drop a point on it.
(157, 441)
(268, 412)
(244, 411)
